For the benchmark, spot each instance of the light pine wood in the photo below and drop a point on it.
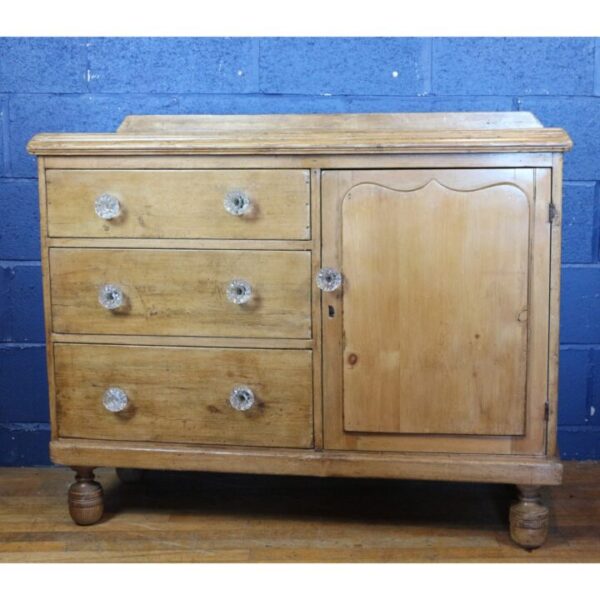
(46, 291)
(327, 161)
(201, 517)
(313, 134)
(179, 292)
(472, 253)
(486, 468)
(533, 323)
(444, 270)
(180, 244)
(179, 204)
(168, 340)
(316, 310)
(173, 124)
(182, 394)
(556, 181)
(292, 142)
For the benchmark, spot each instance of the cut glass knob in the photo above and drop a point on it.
(241, 398)
(111, 296)
(107, 207)
(115, 399)
(239, 291)
(328, 279)
(237, 203)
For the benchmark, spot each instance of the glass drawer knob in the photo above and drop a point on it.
(237, 203)
(239, 291)
(241, 398)
(107, 207)
(328, 279)
(115, 400)
(111, 296)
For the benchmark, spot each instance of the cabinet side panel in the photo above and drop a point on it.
(46, 292)
(555, 263)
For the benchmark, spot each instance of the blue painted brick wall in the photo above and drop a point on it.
(80, 84)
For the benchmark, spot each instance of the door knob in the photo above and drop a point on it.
(328, 279)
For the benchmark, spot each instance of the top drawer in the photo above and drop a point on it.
(181, 204)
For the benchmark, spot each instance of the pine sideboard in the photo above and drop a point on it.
(355, 295)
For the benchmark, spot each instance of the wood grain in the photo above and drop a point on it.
(169, 340)
(335, 187)
(313, 134)
(303, 161)
(445, 273)
(46, 291)
(316, 310)
(303, 142)
(489, 468)
(180, 292)
(182, 394)
(555, 179)
(174, 124)
(179, 204)
(180, 244)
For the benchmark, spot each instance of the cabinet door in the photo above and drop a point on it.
(438, 338)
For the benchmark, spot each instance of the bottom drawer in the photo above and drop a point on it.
(185, 394)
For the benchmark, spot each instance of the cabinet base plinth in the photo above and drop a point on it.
(517, 470)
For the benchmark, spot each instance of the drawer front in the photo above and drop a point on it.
(183, 394)
(181, 292)
(180, 204)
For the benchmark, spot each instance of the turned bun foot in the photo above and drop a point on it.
(86, 499)
(529, 518)
(130, 475)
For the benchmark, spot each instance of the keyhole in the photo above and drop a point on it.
(331, 311)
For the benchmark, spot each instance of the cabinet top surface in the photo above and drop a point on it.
(383, 133)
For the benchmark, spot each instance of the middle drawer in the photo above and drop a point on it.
(181, 292)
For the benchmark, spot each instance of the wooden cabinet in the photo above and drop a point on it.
(329, 295)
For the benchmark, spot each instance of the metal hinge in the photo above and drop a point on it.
(547, 411)
(551, 212)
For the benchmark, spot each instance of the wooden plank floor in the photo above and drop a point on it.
(197, 517)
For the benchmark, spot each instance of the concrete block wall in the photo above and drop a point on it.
(90, 84)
